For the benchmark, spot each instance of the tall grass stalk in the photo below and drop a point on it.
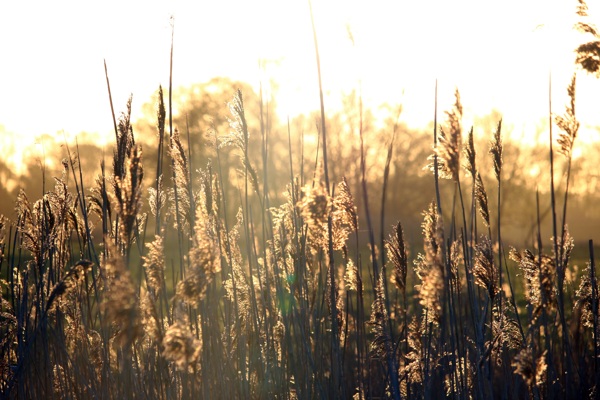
(250, 281)
(337, 371)
(566, 356)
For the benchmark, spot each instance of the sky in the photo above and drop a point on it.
(499, 54)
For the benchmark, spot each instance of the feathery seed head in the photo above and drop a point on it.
(484, 269)
(496, 151)
(585, 297)
(568, 123)
(344, 216)
(204, 259)
(352, 277)
(154, 263)
(180, 346)
(469, 151)
(398, 255)
(449, 147)
(315, 207)
(482, 200)
(120, 302)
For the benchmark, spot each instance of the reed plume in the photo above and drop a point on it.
(568, 123)
(150, 320)
(539, 274)
(180, 193)
(68, 282)
(315, 208)
(531, 370)
(450, 138)
(496, 151)
(352, 277)
(484, 269)
(239, 136)
(482, 200)
(469, 151)
(585, 298)
(128, 174)
(430, 268)
(120, 300)
(382, 344)
(124, 145)
(154, 264)
(157, 197)
(283, 218)
(204, 258)
(344, 216)
(129, 198)
(416, 357)
(398, 255)
(181, 347)
(587, 54)
(505, 332)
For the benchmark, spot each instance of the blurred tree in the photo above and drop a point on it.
(8, 189)
(197, 109)
(201, 115)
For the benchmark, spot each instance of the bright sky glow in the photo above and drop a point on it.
(498, 53)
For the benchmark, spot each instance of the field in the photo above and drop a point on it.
(257, 275)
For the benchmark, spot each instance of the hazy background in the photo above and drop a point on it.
(499, 54)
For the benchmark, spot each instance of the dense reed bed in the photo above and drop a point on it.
(171, 281)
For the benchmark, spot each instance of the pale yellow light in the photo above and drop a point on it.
(499, 55)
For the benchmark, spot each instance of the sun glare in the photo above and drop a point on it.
(499, 56)
(299, 199)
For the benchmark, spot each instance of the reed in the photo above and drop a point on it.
(229, 281)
